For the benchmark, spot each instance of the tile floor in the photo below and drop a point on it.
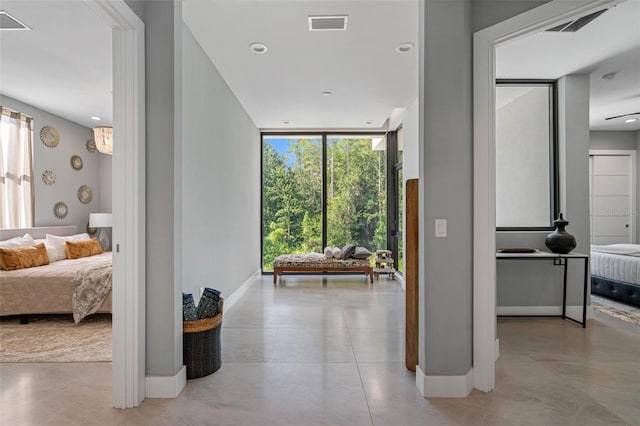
(329, 351)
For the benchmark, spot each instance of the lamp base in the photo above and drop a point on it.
(103, 239)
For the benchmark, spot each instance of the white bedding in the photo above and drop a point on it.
(619, 262)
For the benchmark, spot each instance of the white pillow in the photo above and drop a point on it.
(328, 252)
(56, 245)
(24, 241)
(337, 252)
(50, 250)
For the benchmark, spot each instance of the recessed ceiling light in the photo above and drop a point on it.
(96, 118)
(631, 120)
(327, 93)
(368, 122)
(609, 76)
(258, 48)
(286, 122)
(405, 47)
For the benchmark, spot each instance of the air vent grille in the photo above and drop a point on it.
(8, 22)
(575, 25)
(328, 23)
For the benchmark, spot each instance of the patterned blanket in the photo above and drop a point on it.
(316, 260)
(91, 287)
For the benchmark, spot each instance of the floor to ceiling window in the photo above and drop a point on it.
(323, 190)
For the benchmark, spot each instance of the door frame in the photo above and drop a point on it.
(632, 156)
(485, 42)
(128, 188)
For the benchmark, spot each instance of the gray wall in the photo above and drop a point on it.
(490, 12)
(73, 139)
(220, 179)
(599, 139)
(446, 188)
(528, 283)
(163, 299)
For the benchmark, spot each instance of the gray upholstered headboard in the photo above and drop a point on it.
(38, 232)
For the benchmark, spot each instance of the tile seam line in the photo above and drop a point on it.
(364, 391)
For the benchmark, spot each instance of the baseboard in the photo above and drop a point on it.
(400, 279)
(572, 311)
(166, 386)
(496, 349)
(444, 386)
(236, 295)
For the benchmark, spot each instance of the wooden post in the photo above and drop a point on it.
(411, 275)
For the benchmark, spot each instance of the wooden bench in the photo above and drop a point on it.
(316, 262)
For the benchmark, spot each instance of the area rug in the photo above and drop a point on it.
(623, 312)
(55, 338)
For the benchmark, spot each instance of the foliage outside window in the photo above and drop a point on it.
(349, 181)
(526, 170)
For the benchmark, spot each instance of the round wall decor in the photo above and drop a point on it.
(76, 162)
(85, 194)
(48, 177)
(49, 136)
(60, 210)
(91, 145)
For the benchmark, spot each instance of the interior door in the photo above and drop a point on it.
(611, 199)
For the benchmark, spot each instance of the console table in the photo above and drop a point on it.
(558, 260)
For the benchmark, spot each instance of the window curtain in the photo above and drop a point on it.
(16, 170)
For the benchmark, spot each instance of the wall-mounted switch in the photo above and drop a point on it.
(441, 228)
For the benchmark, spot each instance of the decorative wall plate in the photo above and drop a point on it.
(60, 210)
(48, 177)
(49, 136)
(85, 194)
(76, 162)
(91, 145)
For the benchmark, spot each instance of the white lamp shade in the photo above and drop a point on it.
(100, 220)
(104, 139)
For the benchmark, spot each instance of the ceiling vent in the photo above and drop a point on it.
(8, 22)
(576, 24)
(328, 23)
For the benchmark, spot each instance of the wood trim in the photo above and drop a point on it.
(411, 274)
(367, 270)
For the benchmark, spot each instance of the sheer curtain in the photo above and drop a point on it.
(16, 170)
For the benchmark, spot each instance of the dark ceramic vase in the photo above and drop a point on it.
(560, 241)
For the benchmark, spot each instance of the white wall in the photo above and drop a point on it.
(599, 139)
(73, 139)
(220, 179)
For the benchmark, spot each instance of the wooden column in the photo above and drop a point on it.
(411, 275)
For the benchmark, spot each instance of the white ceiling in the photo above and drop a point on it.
(610, 43)
(360, 66)
(63, 65)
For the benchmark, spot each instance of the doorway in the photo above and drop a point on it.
(612, 196)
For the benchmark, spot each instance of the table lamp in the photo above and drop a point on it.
(102, 221)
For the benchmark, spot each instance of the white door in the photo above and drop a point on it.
(611, 199)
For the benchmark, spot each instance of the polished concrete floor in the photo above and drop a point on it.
(330, 352)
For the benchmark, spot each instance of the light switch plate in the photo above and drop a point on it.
(441, 228)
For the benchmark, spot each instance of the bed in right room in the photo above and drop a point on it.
(615, 272)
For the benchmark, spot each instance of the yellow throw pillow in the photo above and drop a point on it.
(78, 249)
(23, 257)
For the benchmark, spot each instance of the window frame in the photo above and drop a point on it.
(325, 135)
(554, 165)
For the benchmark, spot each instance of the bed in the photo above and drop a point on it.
(49, 289)
(615, 272)
(317, 262)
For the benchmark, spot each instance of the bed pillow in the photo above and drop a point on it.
(328, 252)
(23, 257)
(78, 249)
(337, 252)
(348, 250)
(24, 241)
(361, 253)
(56, 245)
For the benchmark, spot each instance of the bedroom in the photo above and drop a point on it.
(159, 281)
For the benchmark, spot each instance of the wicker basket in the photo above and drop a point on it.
(202, 353)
